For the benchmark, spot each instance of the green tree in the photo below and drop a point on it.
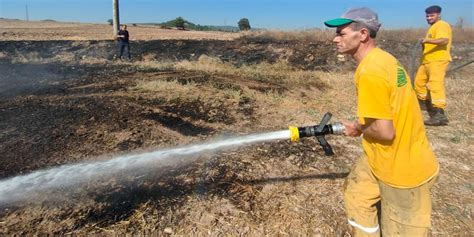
(179, 23)
(244, 24)
(110, 21)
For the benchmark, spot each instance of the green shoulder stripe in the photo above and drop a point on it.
(401, 75)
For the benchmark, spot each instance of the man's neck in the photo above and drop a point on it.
(363, 50)
(436, 21)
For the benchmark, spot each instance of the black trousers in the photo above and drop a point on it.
(122, 46)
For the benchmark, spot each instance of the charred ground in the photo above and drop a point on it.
(64, 102)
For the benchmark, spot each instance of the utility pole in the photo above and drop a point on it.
(26, 11)
(116, 18)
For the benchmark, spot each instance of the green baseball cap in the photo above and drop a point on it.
(338, 22)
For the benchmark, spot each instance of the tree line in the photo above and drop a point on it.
(182, 24)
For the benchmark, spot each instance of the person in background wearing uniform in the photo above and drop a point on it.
(398, 167)
(123, 41)
(429, 80)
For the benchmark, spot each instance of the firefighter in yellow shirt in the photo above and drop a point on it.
(429, 80)
(398, 167)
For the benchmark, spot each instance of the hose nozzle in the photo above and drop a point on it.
(318, 131)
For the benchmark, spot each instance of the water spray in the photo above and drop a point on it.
(25, 187)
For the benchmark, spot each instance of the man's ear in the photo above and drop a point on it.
(364, 35)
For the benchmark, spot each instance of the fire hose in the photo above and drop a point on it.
(319, 131)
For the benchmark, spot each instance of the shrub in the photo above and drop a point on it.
(244, 24)
(179, 23)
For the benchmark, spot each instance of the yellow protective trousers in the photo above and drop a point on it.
(430, 79)
(404, 212)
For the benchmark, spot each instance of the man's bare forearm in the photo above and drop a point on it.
(377, 129)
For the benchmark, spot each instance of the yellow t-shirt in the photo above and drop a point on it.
(433, 52)
(385, 92)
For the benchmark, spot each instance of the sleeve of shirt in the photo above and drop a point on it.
(373, 98)
(443, 31)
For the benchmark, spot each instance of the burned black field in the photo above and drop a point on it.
(67, 102)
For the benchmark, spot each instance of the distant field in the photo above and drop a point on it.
(51, 30)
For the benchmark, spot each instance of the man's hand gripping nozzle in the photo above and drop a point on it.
(319, 131)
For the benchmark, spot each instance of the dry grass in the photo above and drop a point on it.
(149, 57)
(278, 72)
(93, 60)
(305, 94)
(30, 57)
(3, 55)
(464, 35)
(297, 35)
(63, 57)
(173, 89)
(280, 75)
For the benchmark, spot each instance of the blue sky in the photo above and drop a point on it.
(274, 14)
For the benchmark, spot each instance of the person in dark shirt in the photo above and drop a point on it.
(123, 42)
